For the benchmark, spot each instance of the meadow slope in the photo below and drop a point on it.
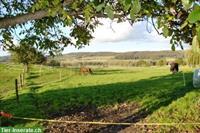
(135, 94)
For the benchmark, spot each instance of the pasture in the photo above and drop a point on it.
(134, 94)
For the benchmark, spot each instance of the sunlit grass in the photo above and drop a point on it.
(157, 92)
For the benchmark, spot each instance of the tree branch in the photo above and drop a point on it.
(155, 27)
(12, 21)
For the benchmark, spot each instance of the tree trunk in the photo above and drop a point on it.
(26, 68)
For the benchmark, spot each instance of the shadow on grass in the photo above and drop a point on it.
(32, 75)
(111, 72)
(151, 94)
(104, 71)
(165, 98)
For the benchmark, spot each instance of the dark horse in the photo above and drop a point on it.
(174, 67)
(85, 70)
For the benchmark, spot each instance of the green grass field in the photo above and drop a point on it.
(160, 96)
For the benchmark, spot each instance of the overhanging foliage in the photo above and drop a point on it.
(40, 23)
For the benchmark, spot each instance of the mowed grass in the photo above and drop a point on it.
(161, 96)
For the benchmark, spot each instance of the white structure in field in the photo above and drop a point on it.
(196, 78)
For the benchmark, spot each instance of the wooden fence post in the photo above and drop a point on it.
(16, 89)
(20, 80)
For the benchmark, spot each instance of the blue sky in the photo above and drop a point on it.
(122, 37)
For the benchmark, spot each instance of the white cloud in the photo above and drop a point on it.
(117, 32)
(112, 31)
(143, 32)
(136, 35)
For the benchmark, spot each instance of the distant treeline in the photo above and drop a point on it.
(150, 55)
(90, 54)
(154, 55)
(121, 63)
(4, 59)
(143, 58)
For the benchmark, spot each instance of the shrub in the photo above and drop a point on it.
(53, 63)
(193, 58)
(180, 61)
(161, 62)
(142, 63)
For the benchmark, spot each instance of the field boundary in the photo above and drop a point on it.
(105, 123)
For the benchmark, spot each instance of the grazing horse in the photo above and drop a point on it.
(174, 67)
(152, 63)
(85, 70)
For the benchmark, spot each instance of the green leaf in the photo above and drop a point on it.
(174, 1)
(183, 25)
(159, 22)
(132, 14)
(198, 33)
(187, 4)
(166, 31)
(87, 12)
(125, 4)
(109, 12)
(67, 19)
(173, 47)
(52, 12)
(74, 5)
(136, 6)
(194, 16)
(55, 2)
(100, 7)
(127, 7)
(195, 45)
(128, 2)
(37, 6)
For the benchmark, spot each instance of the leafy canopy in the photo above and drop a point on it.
(27, 54)
(41, 23)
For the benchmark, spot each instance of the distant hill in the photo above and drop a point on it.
(135, 55)
(4, 59)
(89, 54)
(150, 55)
(129, 55)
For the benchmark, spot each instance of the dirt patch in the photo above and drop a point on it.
(90, 113)
(141, 129)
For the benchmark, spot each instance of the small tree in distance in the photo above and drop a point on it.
(27, 54)
(193, 54)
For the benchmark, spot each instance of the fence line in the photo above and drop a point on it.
(105, 123)
(42, 84)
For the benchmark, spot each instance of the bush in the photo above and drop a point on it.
(53, 63)
(161, 62)
(142, 63)
(180, 61)
(193, 58)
